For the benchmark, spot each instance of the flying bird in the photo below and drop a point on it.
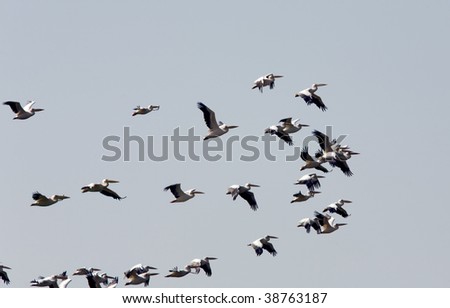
(139, 274)
(327, 153)
(278, 131)
(177, 273)
(266, 80)
(41, 200)
(22, 113)
(94, 277)
(203, 264)
(310, 163)
(299, 197)
(216, 129)
(327, 223)
(3, 274)
(181, 196)
(50, 281)
(138, 269)
(103, 189)
(144, 110)
(245, 193)
(310, 180)
(113, 283)
(310, 97)
(263, 243)
(290, 126)
(309, 223)
(337, 208)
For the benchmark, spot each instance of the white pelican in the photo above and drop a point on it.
(103, 189)
(216, 129)
(245, 193)
(337, 208)
(41, 200)
(310, 180)
(144, 110)
(96, 279)
(3, 274)
(311, 98)
(327, 223)
(134, 278)
(290, 126)
(263, 243)
(181, 196)
(278, 130)
(50, 281)
(307, 223)
(327, 153)
(203, 264)
(138, 269)
(299, 197)
(22, 113)
(310, 163)
(266, 80)
(177, 273)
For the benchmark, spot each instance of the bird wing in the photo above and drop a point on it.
(342, 164)
(175, 189)
(206, 267)
(39, 197)
(110, 193)
(305, 155)
(285, 137)
(233, 191)
(29, 106)
(323, 140)
(287, 121)
(269, 247)
(250, 198)
(4, 277)
(209, 116)
(318, 102)
(15, 106)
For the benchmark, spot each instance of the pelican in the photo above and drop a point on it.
(144, 110)
(103, 189)
(82, 271)
(203, 264)
(299, 197)
(138, 269)
(266, 80)
(290, 127)
(216, 129)
(245, 193)
(310, 163)
(176, 273)
(327, 153)
(181, 196)
(41, 200)
(310, 180)
(96, 279)
(311, 97)
(278, 130)
(307, 223)
(50, 281)
(22, 113)
(337, 208)
(3, 274)
(327, 223)
(263, 243)
(134, 278)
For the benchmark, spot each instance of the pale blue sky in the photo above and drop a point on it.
(88, 64)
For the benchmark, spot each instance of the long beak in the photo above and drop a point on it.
(112, 181)
(232, 126)
(198, 192)
(320, 176)
(37, 109)
(211, 258)
(254, 185)
(272, 236)
(346, 201)
(277, 76)
(321, 84)
(341, 224)
(303, 125)
(315, 192)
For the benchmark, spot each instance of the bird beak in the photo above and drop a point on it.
(65, 197)
(198, 192)
(211, 258)
(320, 176)
(346, 201)
(321, 84)
(232, 126)
(254, 185)
(304, 125)
(315, 192)
(277, 76)
(341, 224)
(153, 274)
(112, 181)
(272, 236)
(37, 110)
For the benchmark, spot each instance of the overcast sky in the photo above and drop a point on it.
(89, 63)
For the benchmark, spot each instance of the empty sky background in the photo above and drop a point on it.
(89, 63)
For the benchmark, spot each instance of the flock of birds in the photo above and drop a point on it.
(331, 152)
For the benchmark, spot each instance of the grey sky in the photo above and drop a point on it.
(88, 64)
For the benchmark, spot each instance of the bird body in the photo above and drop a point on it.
(266, 80)
(180, 195)
(216, 129)
(41, 200)
(289, 127)
(203, 264)
(3, 274)
(310, 97)
(278, 131)
(299, 197)
(311, 181)
(22, 113)
(337, 208)
(245, 193)
(262, 244)
(176, 273)
(102, 188)
(310, 163)
(51, 281)
(139, 274)
(327, 223)
(144, 110)
(309, 223)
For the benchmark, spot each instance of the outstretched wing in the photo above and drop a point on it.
(209, 116)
